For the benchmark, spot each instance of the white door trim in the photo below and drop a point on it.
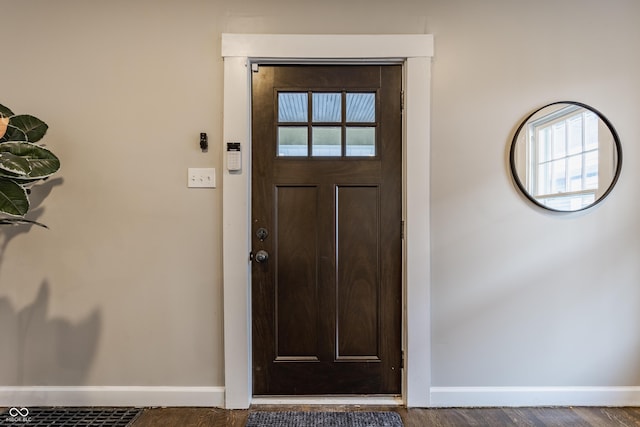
(239, 52)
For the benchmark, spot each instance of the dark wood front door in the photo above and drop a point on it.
(327, 229)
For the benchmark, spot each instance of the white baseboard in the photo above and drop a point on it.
(112, 396)
(214, 397)
(534, 396)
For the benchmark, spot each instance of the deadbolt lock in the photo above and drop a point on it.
(262, 234)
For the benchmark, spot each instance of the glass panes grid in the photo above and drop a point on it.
(565, 156)
(326, 124)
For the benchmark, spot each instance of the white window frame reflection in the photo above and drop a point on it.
(563, 158)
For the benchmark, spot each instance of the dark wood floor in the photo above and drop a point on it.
(494, 417)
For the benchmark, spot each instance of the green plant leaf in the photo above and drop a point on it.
(20, 221)
(13, 134)
(25, 128)
(13, 164)
(42, 162)
(5, 112)
(13, 198)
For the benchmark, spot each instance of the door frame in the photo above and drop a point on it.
(240, 53)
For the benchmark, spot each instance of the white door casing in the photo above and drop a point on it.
(240, 51)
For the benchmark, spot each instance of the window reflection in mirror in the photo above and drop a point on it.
(565, 156)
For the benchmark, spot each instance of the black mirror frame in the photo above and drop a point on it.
(616, 140)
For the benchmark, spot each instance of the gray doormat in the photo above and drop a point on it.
(323, 419)
(68, 417)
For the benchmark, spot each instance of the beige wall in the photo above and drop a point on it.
(125, 288)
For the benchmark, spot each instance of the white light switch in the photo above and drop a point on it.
(202, 178)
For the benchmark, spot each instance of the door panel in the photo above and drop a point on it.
(326, 304)
(296, 281)
(358, 293)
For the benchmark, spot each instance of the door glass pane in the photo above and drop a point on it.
(292, 107)
(327, 107)
(292, 141)
(361, 107)
(327, 141)
(361, 141)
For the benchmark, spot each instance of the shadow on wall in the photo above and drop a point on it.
(34, 348)
(38, 350)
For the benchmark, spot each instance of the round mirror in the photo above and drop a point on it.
(565, 156)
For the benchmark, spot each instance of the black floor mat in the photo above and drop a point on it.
(68, 417)
(324, 419)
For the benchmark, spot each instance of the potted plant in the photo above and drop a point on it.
(23, 164)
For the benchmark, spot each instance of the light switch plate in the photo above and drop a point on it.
(201, 178)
